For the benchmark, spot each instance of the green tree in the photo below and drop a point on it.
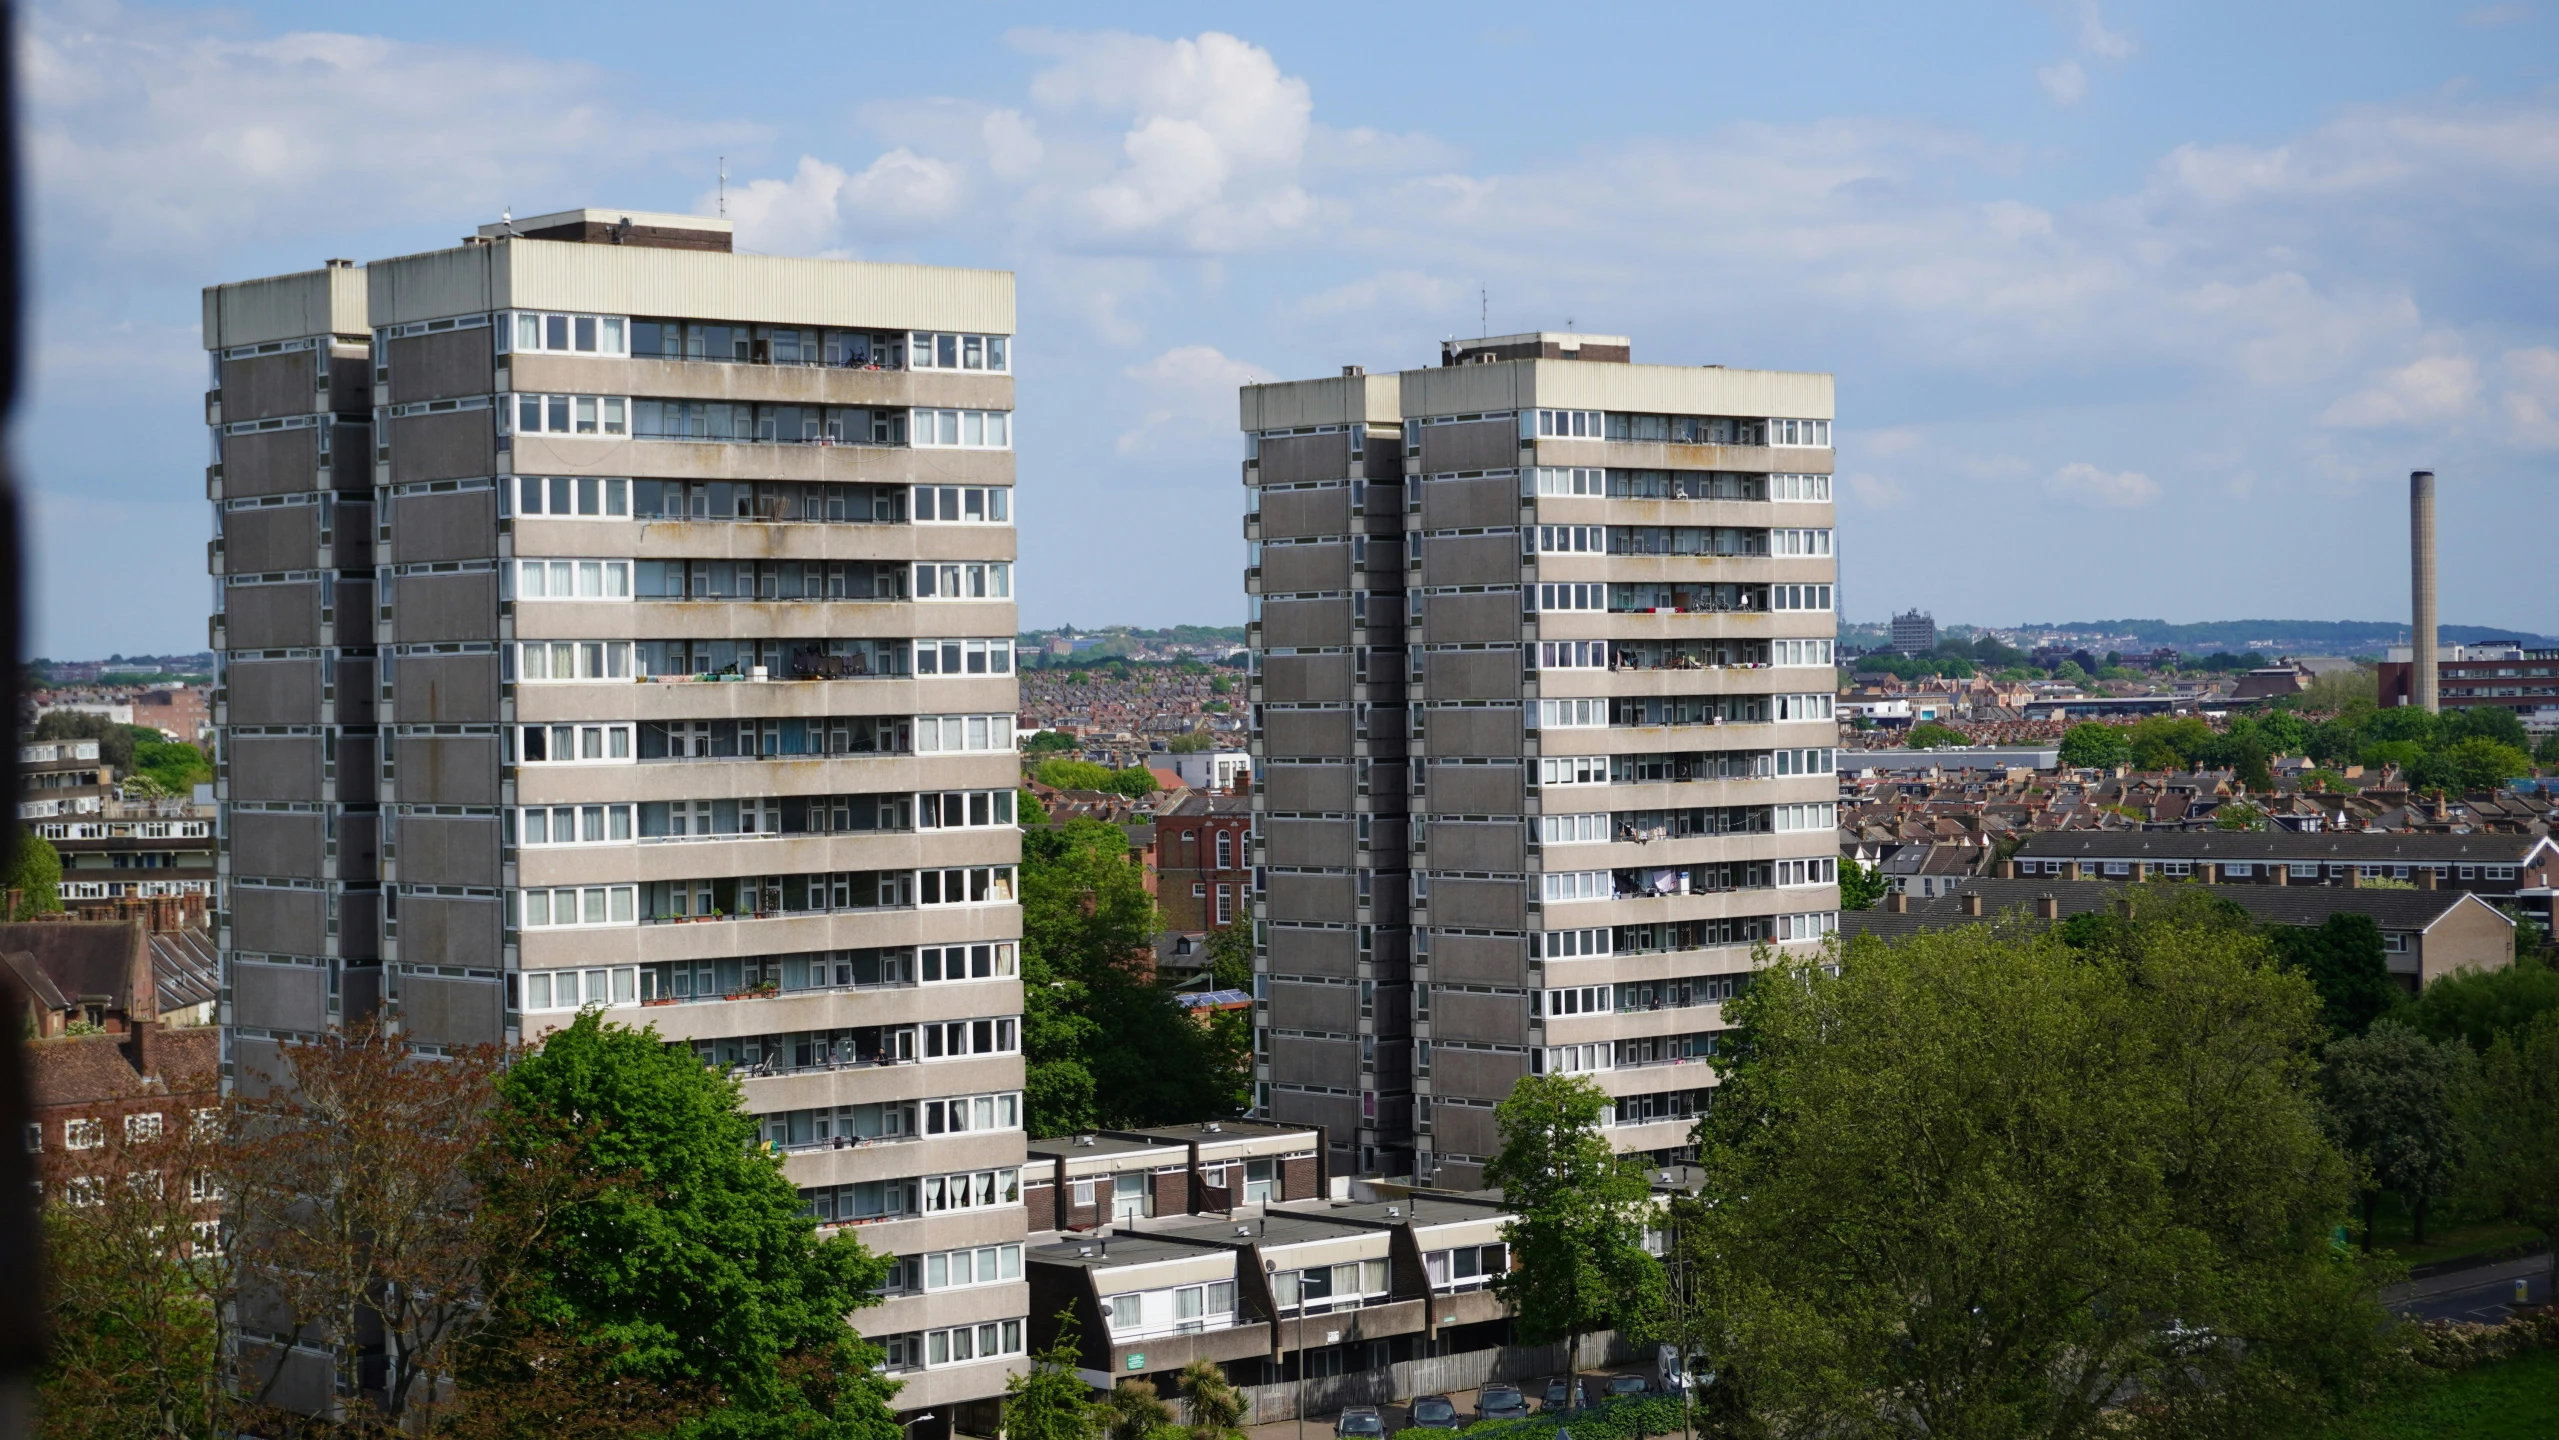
(1135, 782)
(2487, 722)
(1049, 1401)
(1190, 742)
(1061, 773)
(2069, 670)
(115, 741)
(2391, 1097)
(1230, 955)
(2343, 959)
(1960, 1186)
(2476, 762)
(1217, 1411)
(35, 874)
(1577, 1240)
(1050, 742)
(2546, 754)
(1860, 886)
(1135, 1412)
(2090, 743)
(2512, 1113)
(2477, 1005)
(1027, 806)
(691, 1266)
(2238, 815)
(175, 766)
(1929, 735)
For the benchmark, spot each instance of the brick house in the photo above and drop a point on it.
(1203, 861)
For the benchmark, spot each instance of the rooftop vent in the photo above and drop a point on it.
(1394, 1213)
(341, 264)
(1244, 1230)
(1353, 372)
(1085, 1251)
(1083, 1139)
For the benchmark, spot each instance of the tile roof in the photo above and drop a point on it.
(2269, 904)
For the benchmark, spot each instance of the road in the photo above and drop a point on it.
(2485, 1295)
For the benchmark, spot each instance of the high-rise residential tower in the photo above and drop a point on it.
(647, 610)
(1543, 700)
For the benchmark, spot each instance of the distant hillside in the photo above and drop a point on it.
(2335, 637)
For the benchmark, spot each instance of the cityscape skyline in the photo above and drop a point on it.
(2081, 278)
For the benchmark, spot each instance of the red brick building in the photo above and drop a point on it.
(1203, 861)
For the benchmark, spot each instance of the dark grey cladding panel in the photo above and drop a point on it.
(359, 767)
(283, 922)
(255, 542)
(1472, 674)
(1309, 842)
(350, 458)
(1487, 733)
(459, 525)
(1313, 952)
(1288, 569)
(450, 1010)
(1300, 624)
(1479, 1074)
(1500, 847)
(447, 769)
(1479, 959)
(1289, 514)
(1475, 790)
(280, 997)
(449, 930)
(1308, 732)
(1319, 898)
(447, 689)
(1487, 618)
(1470, 560)
(359, 851)
(1479, 904)
(429, 608)
(351, 379)
(1299, 1060)
(449, 445)
(444, 365)
(1490, 1019)
(1481, 445)
(448, 849)
(285, 843)
(360, 927)
(272, 692)
(1337, 1113)
(359, 690)
(1462, 504)
(1288, 459)
(266, 387)
(1464, 1129)
(272, 617)
(1299, 1006)
(1299, 679)
(271, 462)
(1309, 787)
(273, 767)
(257, 1067)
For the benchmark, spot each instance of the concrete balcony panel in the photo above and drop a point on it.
(1730, 904)
(1776, 790)
(1701, 625)
(1005, 1300)
(912, 1235)
(839, 930)
(896, 1160)
(1624, 510)
(792, 1011)
(773, 384)
(747, 460)
(944, 1386)
(727, 855)
(760, 619)
(1629, 1024)
(781, 775)
(1694, 850)
(1652, 1135)
(760, 540)
(688, 699)
(1661, 455)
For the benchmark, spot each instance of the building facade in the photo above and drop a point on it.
(613, 620)
(2506, 677)
(1914, 633)
(1203, 865)
(1544, 726)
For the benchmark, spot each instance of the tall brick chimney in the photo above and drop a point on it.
(2421, 574)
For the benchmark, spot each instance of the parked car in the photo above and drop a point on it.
(1622, 1387)
(1500, 1402)
(1561, 1394)
(1363, 1421)
(1434, 1412)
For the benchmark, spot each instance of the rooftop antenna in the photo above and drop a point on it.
(724, 187)
(1484, 318)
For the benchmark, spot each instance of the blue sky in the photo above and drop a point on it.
(2136, 309)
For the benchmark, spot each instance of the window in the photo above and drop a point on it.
(597, 415)
(971, 1190)
(1799, 487)
(962, 429)
(964, 1113)
(957, 1345)
(577, 989)
(1823, 871)
(944, 734)
(1798, 542)
(1799, 432)
(965, 885)
(1564, 539)
(934, 350)
(938, 963)
(572, 579)
(963, 809)
(1567, 597)
(1801, 707)
(83, 1134)
(1225, 849)
(964, 657)
(1822, 815)
(1804, 762)
(971, 580)
(1571, 655)
(1556, 480)
(575, 744)
(1790, 653)
(142, 1128)
(1805, 927)
(1176, 1310)
(1569, 425)
(1226, 903)
(581, 906)
(962, 505)
(1798, 597)
(565, 334)
(574, 824)
(982, 1265)
(1591, 829)
(1466, 1267)
(1572, 770)
(548, 660)
(1569, 714)
(568, 495)
(1574, 885)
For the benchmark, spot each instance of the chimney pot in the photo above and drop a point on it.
(2047, 907)
(1972, 903)
(2426, 878)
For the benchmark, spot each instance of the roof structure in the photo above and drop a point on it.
(2416, 910)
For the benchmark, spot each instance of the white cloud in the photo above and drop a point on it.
(2425, 392)
(2064, 81)
(2096, 40)
(2488, 16)
(2531, 398)
(1877, 492)
(1013, 148)
(1189, 388)
(2082, 484)
(806, 214)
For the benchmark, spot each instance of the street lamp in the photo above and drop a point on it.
(909, 1426)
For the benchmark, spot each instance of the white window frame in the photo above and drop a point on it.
(942, 580)
(1572, 770)
(991, 499)
(611, 415)
(952, 429)
(605, 736)
(612, 333)
(620, 985)
(1799, 489)
(957, 734)
(616, 905)
(607, 819)
(540, 578)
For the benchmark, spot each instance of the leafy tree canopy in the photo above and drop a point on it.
(34, 872)
(2476, 1005)
(2391, 1097)
(2343, 959)
(1050, 742)
(1578, 1258)
(1929, 735)
(1860, 886)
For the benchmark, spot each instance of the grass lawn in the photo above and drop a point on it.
(2511, 1400)
(2446, 1237)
